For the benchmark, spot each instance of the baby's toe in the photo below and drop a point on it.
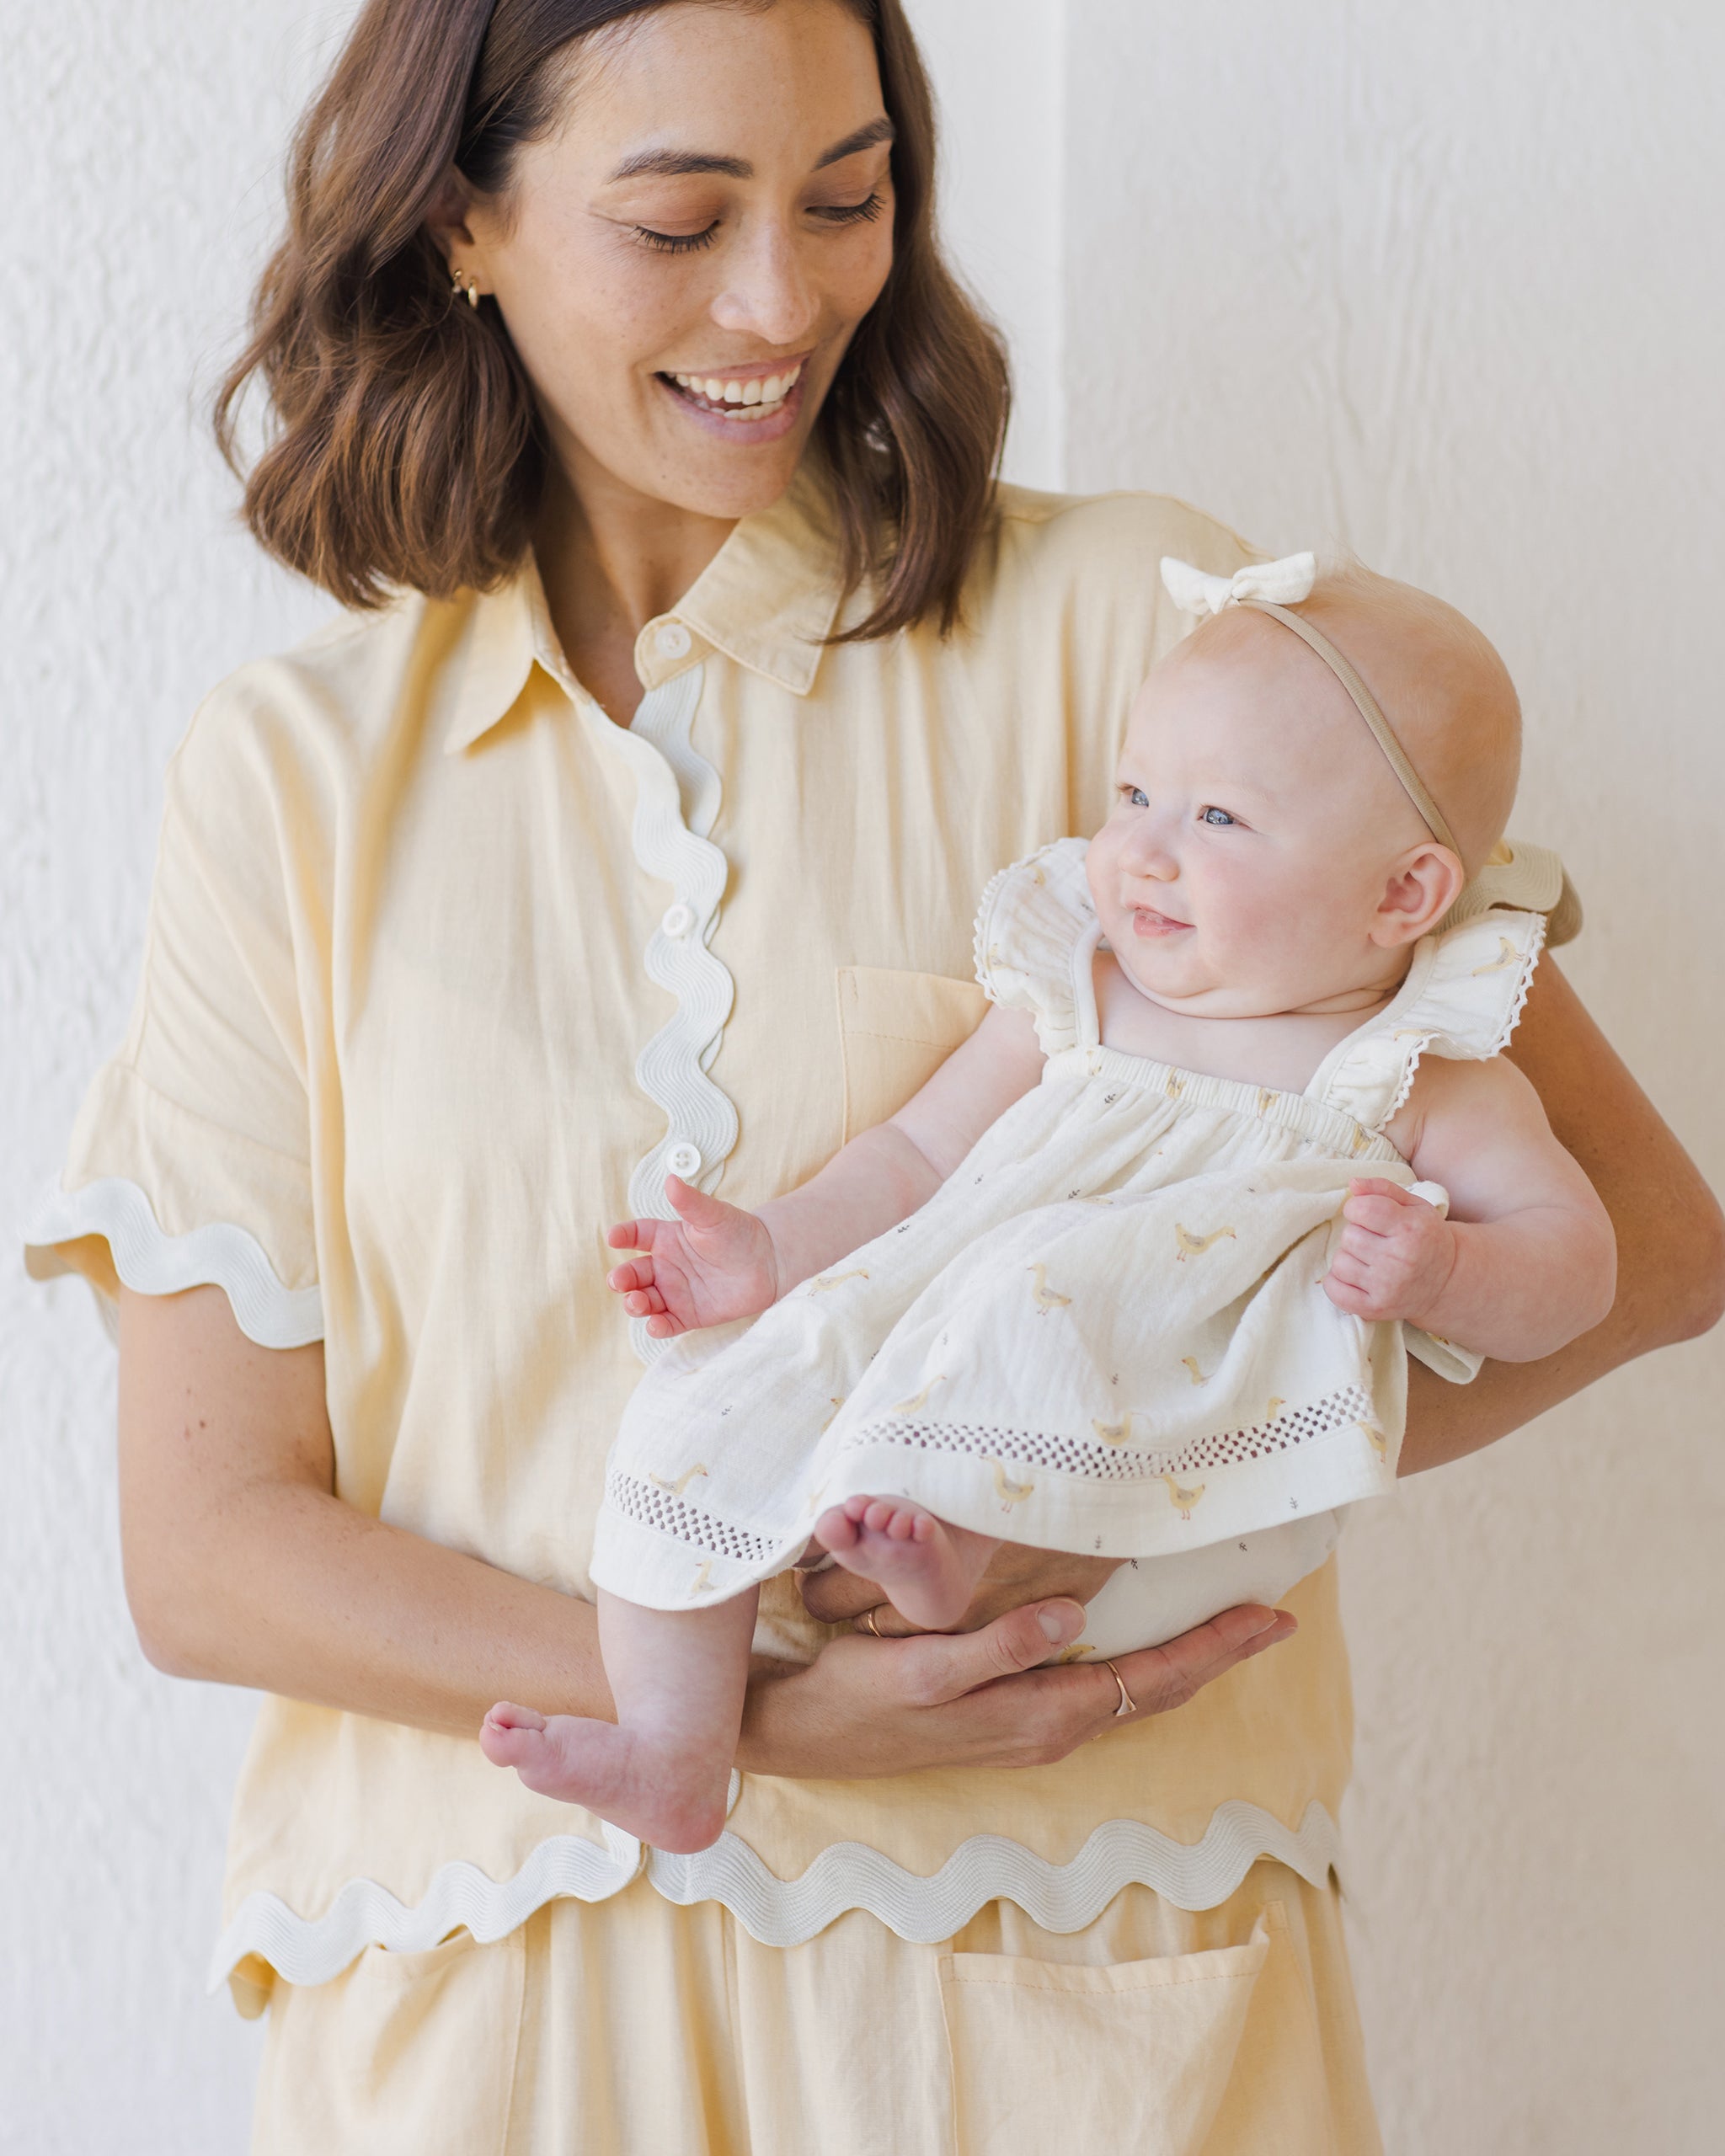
(836, 1530)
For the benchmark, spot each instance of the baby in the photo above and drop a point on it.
(1136, 1272)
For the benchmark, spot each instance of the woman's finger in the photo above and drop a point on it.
(1158, 1678)
(957, 1662)
(883, 1622)
(836, 1597)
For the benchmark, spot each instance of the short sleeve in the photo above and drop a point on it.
(1033, 919)
(189, 1162)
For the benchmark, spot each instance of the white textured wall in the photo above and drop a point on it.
(1442, 283)
(1435, 282)
(139, 147)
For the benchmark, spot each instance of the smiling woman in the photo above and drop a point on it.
(688, 303)
(696, 679)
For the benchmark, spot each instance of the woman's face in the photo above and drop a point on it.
(682, 263)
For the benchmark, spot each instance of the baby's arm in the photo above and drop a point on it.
(1526, 1260)
(715, 1262)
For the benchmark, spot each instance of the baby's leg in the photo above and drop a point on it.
(928, 1567)
(662, 1770)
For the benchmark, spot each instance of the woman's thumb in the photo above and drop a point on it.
(1020, 1640)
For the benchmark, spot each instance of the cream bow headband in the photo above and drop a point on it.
(1271, 588)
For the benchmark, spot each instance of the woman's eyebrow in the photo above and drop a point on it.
(675, 164)
(863, 138)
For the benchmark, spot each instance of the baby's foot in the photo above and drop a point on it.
(662, 1789)
(928, 1567)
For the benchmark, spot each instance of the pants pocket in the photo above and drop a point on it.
(412, 2053)
(1137, 2058)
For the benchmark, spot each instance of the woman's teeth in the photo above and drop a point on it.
(756, 399)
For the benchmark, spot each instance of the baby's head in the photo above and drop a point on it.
(1263, 855)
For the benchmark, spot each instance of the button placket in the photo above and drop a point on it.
(677, 802)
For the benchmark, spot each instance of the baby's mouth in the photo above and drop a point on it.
(743, 397)
(1147, 922)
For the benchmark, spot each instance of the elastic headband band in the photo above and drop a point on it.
(1413, 785)
(1261, 585)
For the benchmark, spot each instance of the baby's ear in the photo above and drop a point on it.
(1419, 890)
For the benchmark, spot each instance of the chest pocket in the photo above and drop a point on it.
(895, 1030)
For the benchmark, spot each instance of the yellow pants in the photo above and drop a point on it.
(633, 2028)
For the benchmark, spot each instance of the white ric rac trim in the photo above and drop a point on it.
(785, 1911)
(152, 1263)
(676, 800)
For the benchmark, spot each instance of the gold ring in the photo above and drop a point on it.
(869, 1622)
(1128, 1704)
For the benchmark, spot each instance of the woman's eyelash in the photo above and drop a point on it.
(676, 243)
(853, 213)
(841, 213)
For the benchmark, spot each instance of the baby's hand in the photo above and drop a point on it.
(712, 1263)
(1394, 1256)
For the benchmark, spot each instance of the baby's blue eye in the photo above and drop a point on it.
(1134, 796)
(1218, 818)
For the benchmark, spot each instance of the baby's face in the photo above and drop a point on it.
(1256, 832)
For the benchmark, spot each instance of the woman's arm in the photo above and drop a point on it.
(1669, 1231)
(243, 1567)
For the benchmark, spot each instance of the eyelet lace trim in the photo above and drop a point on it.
(667, 1513)
(923, 1909)
(1122, 1463)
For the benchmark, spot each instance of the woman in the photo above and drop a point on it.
(697, 679)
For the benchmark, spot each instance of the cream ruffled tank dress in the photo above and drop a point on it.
(1106, 1332)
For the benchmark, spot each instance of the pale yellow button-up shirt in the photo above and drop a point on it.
(445, 969)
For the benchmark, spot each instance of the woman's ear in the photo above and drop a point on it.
(446, 221)
(1419, 891)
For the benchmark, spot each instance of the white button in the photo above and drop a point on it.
(684, 1160)
(678, 920)
(673, 641)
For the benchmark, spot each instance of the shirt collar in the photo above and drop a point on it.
(768, 600)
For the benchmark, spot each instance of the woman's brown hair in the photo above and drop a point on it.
(406, 449)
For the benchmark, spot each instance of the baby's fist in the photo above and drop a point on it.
(1395, 1255)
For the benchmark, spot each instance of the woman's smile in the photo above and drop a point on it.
(759, 403)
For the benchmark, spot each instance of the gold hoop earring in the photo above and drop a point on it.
(461, 284)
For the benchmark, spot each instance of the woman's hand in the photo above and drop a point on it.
(1016, 1575)
(867, 1707)
(713, 1263)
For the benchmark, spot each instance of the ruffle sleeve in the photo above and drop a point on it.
(1033, 919)
(189, 1162)
(1462, 998)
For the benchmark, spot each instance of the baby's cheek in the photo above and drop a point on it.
(1100, 875)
